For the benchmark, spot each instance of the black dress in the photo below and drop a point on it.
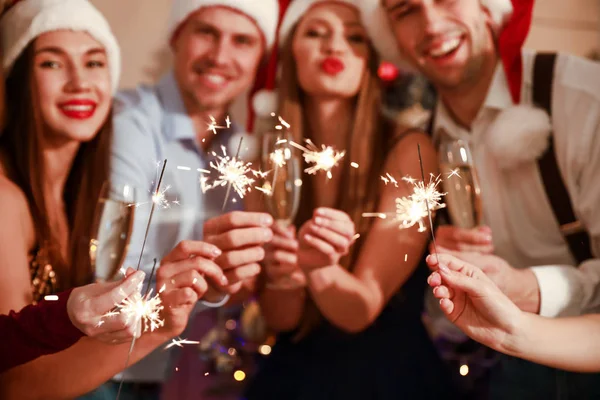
(392, 359)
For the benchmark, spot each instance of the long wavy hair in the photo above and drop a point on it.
(366, 145)
(21, 141)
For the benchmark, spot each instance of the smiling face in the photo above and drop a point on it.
(217, 52)
(72, 84)
(331, 50)
(447, 40)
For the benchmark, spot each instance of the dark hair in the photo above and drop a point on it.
(21, 143)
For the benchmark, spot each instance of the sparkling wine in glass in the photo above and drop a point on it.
(463, 194)
(111, 232)
(284, 182)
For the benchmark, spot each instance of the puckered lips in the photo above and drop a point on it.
(332, 66)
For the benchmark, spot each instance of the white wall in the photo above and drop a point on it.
(141, 26)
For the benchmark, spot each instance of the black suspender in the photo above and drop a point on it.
(574, 233)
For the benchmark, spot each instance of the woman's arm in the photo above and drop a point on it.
(352, 301)
(478, 307)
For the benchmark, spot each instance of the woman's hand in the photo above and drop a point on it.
(325, 239)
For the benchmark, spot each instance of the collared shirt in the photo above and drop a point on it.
(150, 125)
(515, 204)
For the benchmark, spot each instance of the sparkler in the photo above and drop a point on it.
(231, 172)
(413, 209)
(144, 311)
(324, 159)
(435, 197)
(156, 194)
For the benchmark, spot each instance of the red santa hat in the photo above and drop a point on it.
(264, 12)
(519, 133)
(264, 101)
(28, 19)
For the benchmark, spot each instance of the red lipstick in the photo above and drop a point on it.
(78, 108)
(332, 66)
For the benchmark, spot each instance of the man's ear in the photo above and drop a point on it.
(491, 21)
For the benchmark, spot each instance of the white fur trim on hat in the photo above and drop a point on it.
(264, 102)
(376, 21)
(264, 12)
(296, 10)
(519, 134)
(28, 19)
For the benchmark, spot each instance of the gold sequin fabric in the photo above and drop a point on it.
(43, 277)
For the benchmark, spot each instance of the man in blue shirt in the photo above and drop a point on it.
(217, 48)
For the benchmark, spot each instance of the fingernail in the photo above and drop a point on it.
(319, 221)
(224, 280)
(444, 268)
(308, 237)
(428, 258)
(266, 220)
(216, 251)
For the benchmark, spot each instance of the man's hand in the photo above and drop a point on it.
(241, 236)
(181, 281)
(477, 240)
(520, 285)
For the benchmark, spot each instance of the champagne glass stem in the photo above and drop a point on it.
(275, 172)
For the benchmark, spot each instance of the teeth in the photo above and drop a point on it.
(445, 48)
(216, 79)
(78, 108)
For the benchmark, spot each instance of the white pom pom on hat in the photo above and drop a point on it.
(518, 135)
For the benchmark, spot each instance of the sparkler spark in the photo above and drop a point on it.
(412, 210)
(452, 173)
(324, 159)
(180, 343)
(231, 171)
(142, 310)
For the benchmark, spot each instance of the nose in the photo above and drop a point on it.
(78, 81)
(336, 43)
(221, 51)
(432, 18)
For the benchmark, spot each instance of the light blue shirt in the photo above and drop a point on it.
(150, 125)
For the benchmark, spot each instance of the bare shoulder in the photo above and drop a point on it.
(408, 142)
(14, 210)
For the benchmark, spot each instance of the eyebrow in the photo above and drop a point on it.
(396, 6)
(346, 23)
(59, 51)
(204, 24)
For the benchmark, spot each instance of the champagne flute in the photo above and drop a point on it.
(284, 183)
(111, 231)
(463, 194)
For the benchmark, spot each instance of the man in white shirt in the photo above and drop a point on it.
(217, 46)
(471, 50)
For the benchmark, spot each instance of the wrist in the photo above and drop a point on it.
(320, 279)
(527, 293)
(293, 280)
(516, 340)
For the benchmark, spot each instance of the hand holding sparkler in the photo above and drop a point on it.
(88, 304)
(325, 238)
(241, 235)
(182, 281)
(281, 259)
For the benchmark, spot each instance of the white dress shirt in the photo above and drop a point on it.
(515, 204)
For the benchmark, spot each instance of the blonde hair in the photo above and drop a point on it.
(366, 146)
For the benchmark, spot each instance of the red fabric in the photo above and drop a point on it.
(266, 76)
(35, 331)
(510, 44)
